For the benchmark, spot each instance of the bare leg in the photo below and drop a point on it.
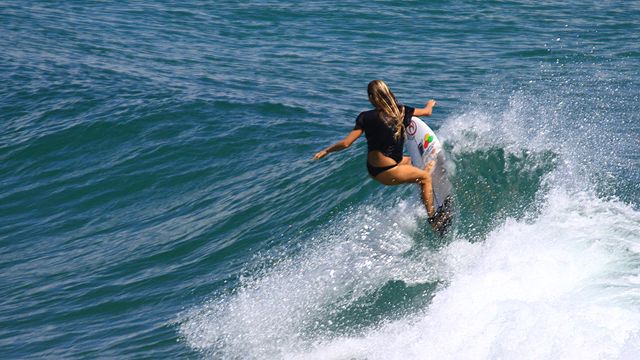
(403, 174)
(427, 191)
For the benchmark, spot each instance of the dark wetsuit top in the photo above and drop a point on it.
(380, 135)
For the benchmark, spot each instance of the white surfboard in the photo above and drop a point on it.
(423, 145)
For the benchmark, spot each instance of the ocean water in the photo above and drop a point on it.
(158, 198)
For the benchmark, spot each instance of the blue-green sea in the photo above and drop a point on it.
(158, 199)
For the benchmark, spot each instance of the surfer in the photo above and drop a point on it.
(384, 129)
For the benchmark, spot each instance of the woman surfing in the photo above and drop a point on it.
(384, 128)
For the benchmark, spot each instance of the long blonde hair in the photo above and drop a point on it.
(383, 99)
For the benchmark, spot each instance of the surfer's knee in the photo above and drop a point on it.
(425, 178)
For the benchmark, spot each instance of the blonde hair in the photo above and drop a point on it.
(383, 99)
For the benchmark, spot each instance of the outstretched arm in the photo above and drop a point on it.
(426, 110)
(340, 145)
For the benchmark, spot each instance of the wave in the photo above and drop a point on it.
(540, 264)
(563, 286)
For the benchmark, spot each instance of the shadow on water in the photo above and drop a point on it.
(392, 301)
(493, 184)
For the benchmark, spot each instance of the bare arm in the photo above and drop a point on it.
(427, 110)
(340, 145)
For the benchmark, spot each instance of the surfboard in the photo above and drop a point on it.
(423, 146)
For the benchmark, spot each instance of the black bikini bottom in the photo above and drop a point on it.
(375, 170)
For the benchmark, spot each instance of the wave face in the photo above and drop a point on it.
(157, 197)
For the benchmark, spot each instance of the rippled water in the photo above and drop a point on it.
(158, 200)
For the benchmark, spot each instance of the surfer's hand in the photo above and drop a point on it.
(319, 155)
(427, 110)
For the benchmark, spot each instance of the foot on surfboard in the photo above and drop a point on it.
(443, 217)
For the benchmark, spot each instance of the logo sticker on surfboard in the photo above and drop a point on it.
(411, 130)
(428, 138)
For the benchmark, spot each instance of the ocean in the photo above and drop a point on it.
(158, 199)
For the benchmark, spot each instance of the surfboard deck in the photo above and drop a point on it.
(423, 146)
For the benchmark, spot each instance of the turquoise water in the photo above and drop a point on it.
(158, 200)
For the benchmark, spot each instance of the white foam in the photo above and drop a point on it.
(562, 287)
(283, 309)
(479, 129)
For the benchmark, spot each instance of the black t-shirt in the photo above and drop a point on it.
(380, 135)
